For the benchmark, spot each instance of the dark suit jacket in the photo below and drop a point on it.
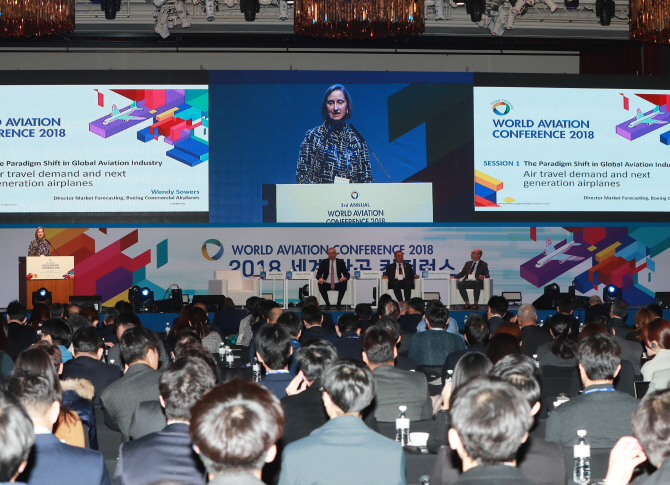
(277, 383)
(227, 321)
(98, 373)
(407, 270)
(324, 270)
(622, 328)
(631, 351)
(108, 334)
(349, 345)
(453, 358)
(601, 309)
(121, 398)
(397, 387)
(532, 337)
(315, 332)
(433, 346)
(149, 417)
(481, 269)
(114, 354)
(538, 461)
(493, 475)
(20, 338)
(166, 455)
(494, 322)
(409, 322)
(303, 413)
(54, 463)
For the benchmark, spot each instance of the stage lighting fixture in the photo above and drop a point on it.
(42, 296)
(570, 4)
(552, 288)
(611, 293)
(605, 11)
(146, 300)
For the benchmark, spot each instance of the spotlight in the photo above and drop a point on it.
(145, 300)
(552, 288)
(42, 296)
(570, 4)
(611, 293)
(605, 11)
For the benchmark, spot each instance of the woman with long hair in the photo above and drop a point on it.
(182, 322)
(200, 323)
(656, 338)
(643, 317)
(561, 352)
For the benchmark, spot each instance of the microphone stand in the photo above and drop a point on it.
(373, 153)
(52, 246)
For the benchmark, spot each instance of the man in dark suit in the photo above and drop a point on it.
(532, 336)
(618, 315)
(20, 335)
(332, 275)
(292, 323)
(411, 319)
(107, 330)
(495, 309)
(16, 438)
(88, 350)
(52, 462)
(312, 318)
(596, 309)
(395, 387)
(123, 323)
(139, 348)
(349, 344)
(472, 276)
(477, 336)
(434, 345)
(227, 321)
(401, 277)
(273, 351)
(168, 454)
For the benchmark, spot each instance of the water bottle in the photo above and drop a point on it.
(256, 371)
(424, 480)
(230, 358)
(222, 352)
(167, 328)
(582, 453)
(402, 426)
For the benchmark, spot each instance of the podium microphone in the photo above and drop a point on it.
(52, 246)
(375, 155)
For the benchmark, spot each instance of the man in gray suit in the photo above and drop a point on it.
(395, 387)
(139, 348)
(123, 323)
(344, 450)
(234, 428)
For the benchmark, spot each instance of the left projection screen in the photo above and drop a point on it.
(104, 152)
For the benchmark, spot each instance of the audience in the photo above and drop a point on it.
(124, 322)
(38, 315)
(19, 335)
(364, 313)
(477, 336)
(273, 351)
(90, 314)
(108, 329)
(344, 450)
(596, 309)
(643, 317)
(227, 320)
(452, 325)
(312, 318)
(348, 329)
(292, 323)
(409, 321)
(401, 361)
(245, 336)
(565, 307)
(56, 310)
(656, 338)
(618, 315)
(501, 345)
(495, 310)
(58, 333)
(200, 323)
(532, 335)
(562, 351)
(16, 438)
(431, 348)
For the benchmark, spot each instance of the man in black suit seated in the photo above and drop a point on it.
(472, 276)
(16, 438)
(124, 322)
(596, 309)
(332, 275)
(650, 424)
(273, 351)
(411, 319)
(477, 336)
(401, 361)
(349, 344)
(401, 277)
(618, 315)
(312, 318)
(88, 350)
(20, 335)
(168, 454)
(495, 309)
(227, 321)
(328, 322)
(364, 314)
(532, 336)
(108, 329)
(490, 420)
(52, 462)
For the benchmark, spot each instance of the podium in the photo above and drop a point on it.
(55, 273)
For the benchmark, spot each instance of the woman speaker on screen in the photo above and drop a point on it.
(39, 246)
(334, 152)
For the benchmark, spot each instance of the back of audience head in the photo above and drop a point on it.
(349, 385)
(562, 346)
(311, 301)
(383, 298)
(71, 310)
(477, 331)
(90, 314)
(348, 322)
(187, 338)
(273, 346)
(291, 322)
(57, 310)
(16, 438)
(510, 328)
(595, 300)
(88, 341)
(619, 309)
(379, 346)
(651, 425)
(76, 322)
(437, 315)
(57, 331)
(498, 305)
(39, 362)
(363, 312)
(490, 420)
(500, 345)
(521, 371)
(390, 324)
(17, 312)
(389, 308)
(38, 315)
(123, 306)
(126, 321)
(235, 427)
(471, 365)
(54, 353)
(311, 315)
(200, 322)
(599, 357)
(139, 344)
(656, 335)
(266, 307)
(656, 308)
(643, 317)
(198, 352)
(527, 314)
(111, 314)
(417, 305)
(565, 305)
(182, 384)
(314, 357)
(591, 329)
(36, 394)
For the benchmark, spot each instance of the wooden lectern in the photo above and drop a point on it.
(55, 273)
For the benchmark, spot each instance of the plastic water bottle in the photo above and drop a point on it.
(402, 426)
(167, 328)
(230, 358)
(256, 371)
(222, 352)
(582, 470)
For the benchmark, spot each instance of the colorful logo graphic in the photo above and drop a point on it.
(501, 108)
(354, 195)
(205, 253)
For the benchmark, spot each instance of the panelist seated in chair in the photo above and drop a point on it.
(401, 277)
(472, 277)
(332, 275)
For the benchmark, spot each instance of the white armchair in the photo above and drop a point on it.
(484, 294)
(231, 284)
(417, 292)
(347, 299)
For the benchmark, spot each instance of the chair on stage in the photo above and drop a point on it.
(231, 284)
(347, 299)
(417, 291)
(484, 295)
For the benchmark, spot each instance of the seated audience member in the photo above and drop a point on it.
(532, 335)
(108, 329)
(511, 328)
(227, 320)
(414, 314)
(273, 351)
(596, 309)
(395, 387)
(364, 313)
(495, 310)
(344, 450)
(348, 329)
(90, 314)
(139, 348)
(652, 441)
(77, 321)
(200, 323)
(124, 322)
(383, 298)
(234, 428)
(245, 335)
(477, 336)
(38, 315)
(401, 361)
(71, 310)
(471, 365)
(168, 454)
(658, 311)
(52, 462)
(656, 338)
(432, 347)
(19, 335)
(490, 420)
(618, 315)
(643, 317)
(501, 345)
(593, 328)
(88, 350)
(16, 438)
(388, 308)
(565, 306)
(630, 350)
(452, 325)
(180, 324)
(562, 351)
(291, 322)
(56, 310)
(602, 411)
(328, 322)
(536, 458)
(270, 311)
(312, 318)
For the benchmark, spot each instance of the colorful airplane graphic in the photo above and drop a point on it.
(552, 254)
(648, 119)
(122, 115)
